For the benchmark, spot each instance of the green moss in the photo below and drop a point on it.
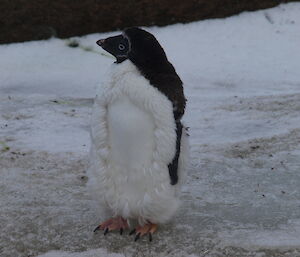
(75, 43)
(72, 43)
(4, 147)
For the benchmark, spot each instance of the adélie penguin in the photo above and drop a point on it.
(139, 149)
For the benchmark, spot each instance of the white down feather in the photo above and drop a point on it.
(133, 141)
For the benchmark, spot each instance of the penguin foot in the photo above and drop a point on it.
(117, 223)
(144, 230)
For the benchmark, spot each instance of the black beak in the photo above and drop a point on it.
(101, 42)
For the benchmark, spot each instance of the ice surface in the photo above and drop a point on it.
(242, 197)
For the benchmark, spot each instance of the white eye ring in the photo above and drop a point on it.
(121, 47)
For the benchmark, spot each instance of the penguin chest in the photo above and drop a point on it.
(130, 134)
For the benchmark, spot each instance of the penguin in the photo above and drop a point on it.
(139, 146)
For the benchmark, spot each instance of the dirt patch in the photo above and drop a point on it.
(265, 146)
(274, 105)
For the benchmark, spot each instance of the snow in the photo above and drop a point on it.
(242, 198)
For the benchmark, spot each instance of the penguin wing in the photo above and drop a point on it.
(173, 166)
(171, 86)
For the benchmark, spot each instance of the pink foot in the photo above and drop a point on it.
(147, 229)
(117, 223)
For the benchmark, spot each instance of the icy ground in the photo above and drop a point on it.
(242, 81)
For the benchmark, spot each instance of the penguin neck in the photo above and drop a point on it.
(124, 67)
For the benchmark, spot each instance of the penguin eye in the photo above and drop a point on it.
(121, 47)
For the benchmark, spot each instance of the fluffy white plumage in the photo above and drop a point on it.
(133, 141)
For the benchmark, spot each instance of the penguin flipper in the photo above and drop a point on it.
(173, 166)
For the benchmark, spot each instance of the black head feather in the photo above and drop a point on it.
(145, 50)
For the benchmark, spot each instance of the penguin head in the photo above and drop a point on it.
(145, 50)
(136, 44)
(118, 46)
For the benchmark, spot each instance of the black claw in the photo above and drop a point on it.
(97, 228)
(137, 237)
(121, 231)
(106, 231)
(150, 237)
(132, 232)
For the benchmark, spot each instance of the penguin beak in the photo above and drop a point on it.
(101, 42)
